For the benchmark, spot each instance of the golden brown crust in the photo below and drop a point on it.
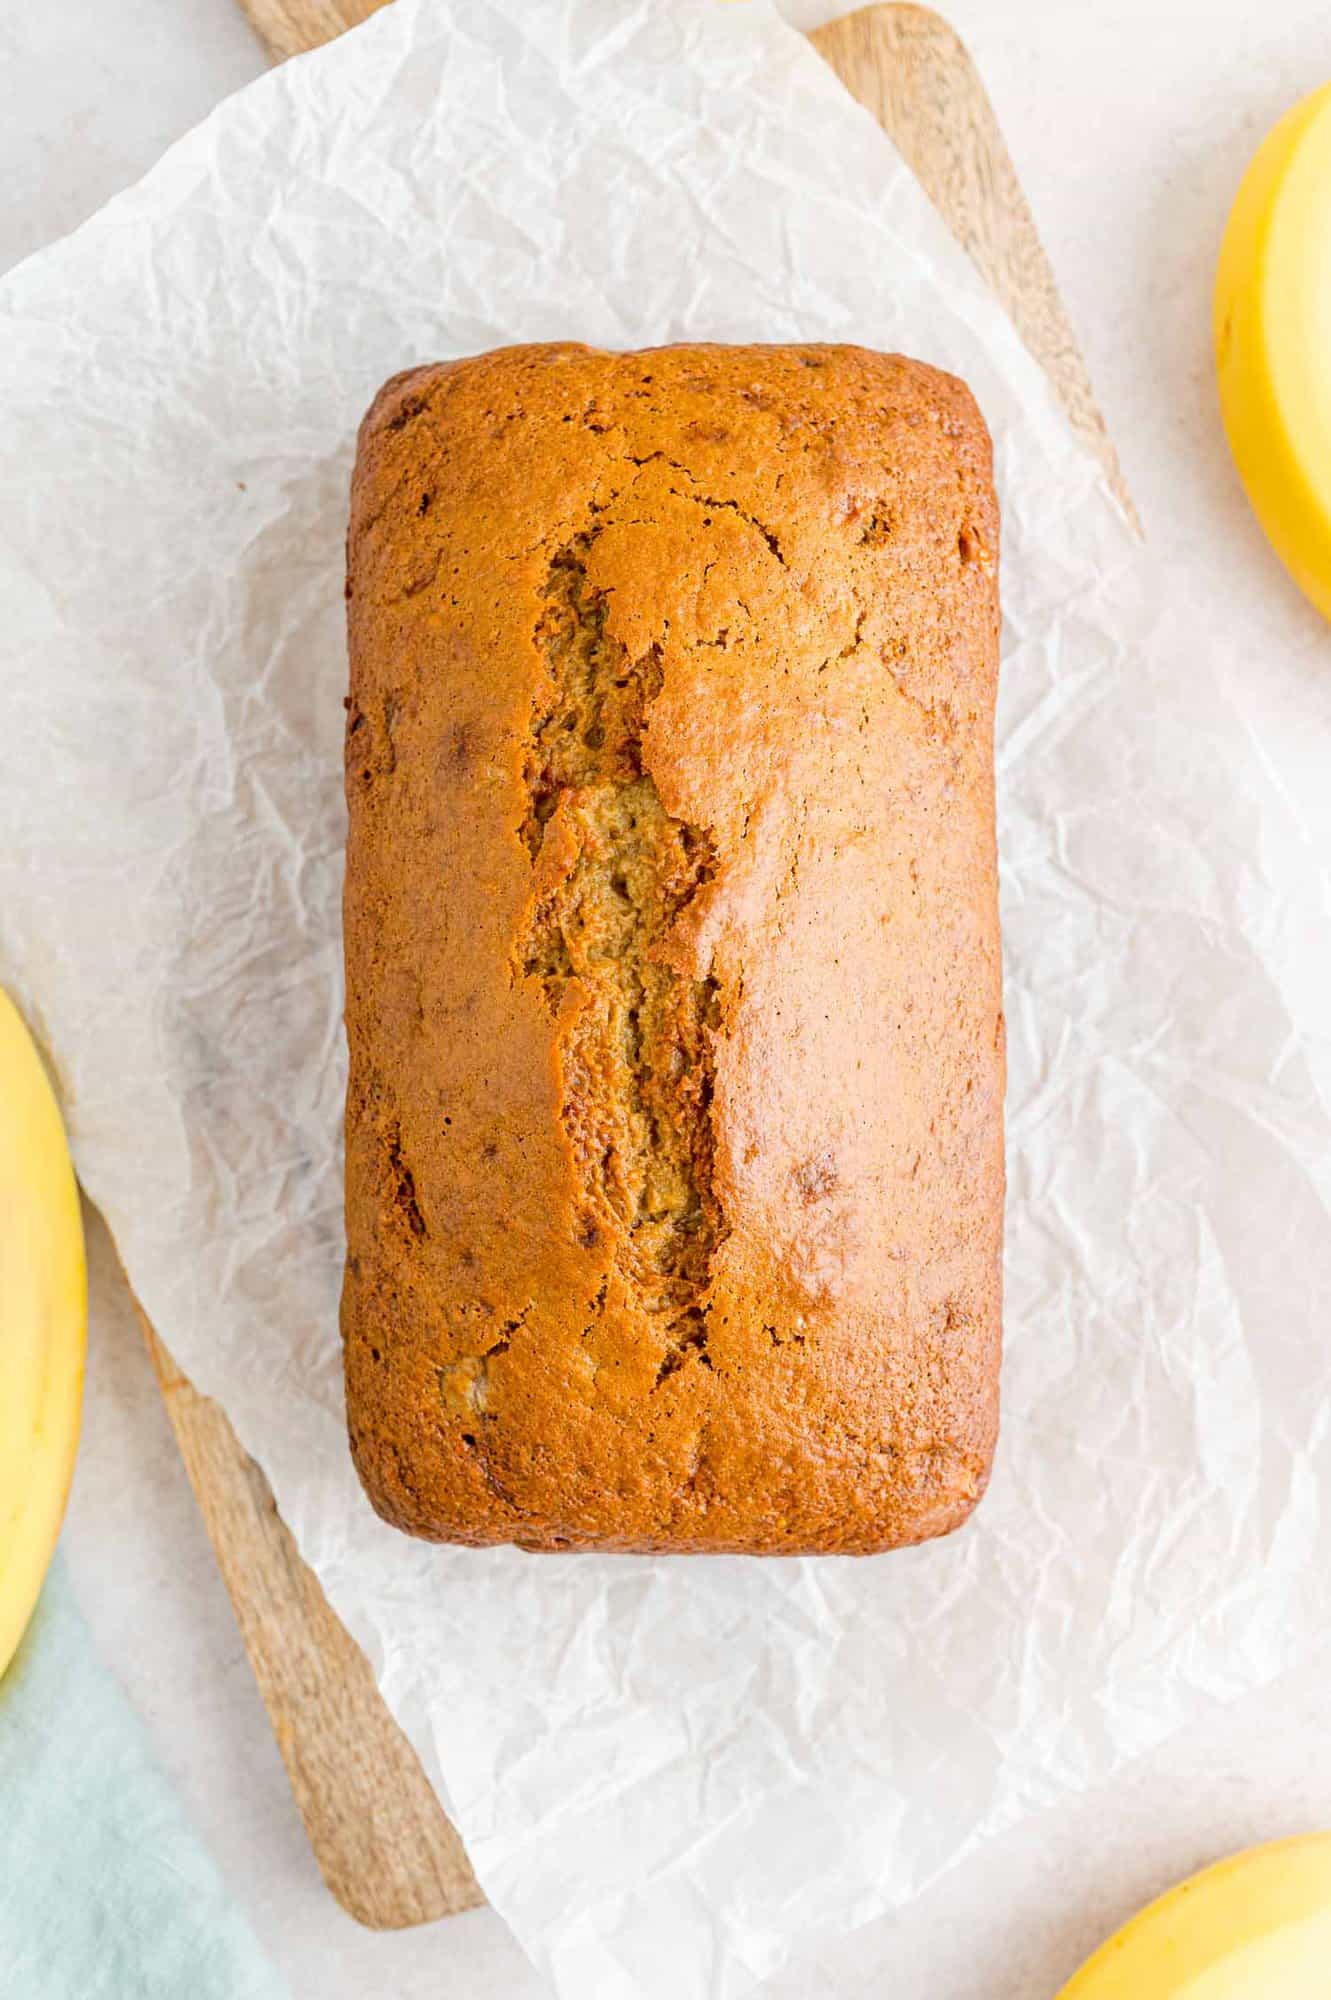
(674, 1124)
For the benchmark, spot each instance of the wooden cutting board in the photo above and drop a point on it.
(383, 1843)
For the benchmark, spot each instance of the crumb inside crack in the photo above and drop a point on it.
(638, 1053)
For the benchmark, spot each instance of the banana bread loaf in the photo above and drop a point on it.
(674, 1123)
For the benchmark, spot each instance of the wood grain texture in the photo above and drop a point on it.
(383, 1843)
(914, 73)
(293, 27)
(379, 1834)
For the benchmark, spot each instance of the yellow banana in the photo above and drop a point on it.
(1273, 339)
(1254, 1927)
(43, 1325)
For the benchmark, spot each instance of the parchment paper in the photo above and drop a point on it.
(674, 1777)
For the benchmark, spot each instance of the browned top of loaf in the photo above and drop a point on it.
(674, 1163)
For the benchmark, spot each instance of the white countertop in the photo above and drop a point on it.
(1129, 124)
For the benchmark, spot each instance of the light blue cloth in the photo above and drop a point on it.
(105, 1893)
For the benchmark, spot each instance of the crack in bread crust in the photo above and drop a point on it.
(637, 1044)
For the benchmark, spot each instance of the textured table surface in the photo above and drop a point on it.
(1129, 128)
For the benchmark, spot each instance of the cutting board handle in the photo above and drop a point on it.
(381, 1838)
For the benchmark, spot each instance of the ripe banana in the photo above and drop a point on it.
(1254, 1927)
(1273, 337)
(43, 1325)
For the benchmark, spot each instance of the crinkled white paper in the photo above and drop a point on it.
(674, 1776)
